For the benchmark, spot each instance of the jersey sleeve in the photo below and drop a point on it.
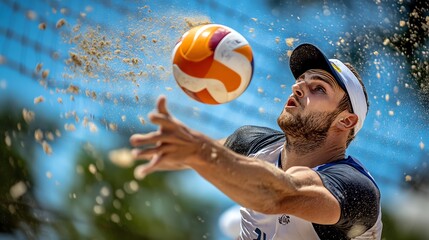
(250, 139)
(358, 196)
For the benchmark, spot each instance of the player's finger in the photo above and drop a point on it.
(153, 138)
(137, 154)
(143, 170)
(162, 120)
(140, 139)
(162, 149)
(162, 106)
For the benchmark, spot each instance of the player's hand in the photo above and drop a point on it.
(172, 147)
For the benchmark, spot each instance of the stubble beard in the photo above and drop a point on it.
(306, 133)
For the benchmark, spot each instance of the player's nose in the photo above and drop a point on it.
(299, 89)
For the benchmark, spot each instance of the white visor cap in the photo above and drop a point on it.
(307, 56)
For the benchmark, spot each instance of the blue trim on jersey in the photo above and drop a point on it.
(349, 161)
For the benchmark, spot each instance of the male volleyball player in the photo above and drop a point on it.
(295, 184)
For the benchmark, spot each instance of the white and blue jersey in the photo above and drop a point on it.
(348, 181)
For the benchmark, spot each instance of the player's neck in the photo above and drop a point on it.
(293, 154)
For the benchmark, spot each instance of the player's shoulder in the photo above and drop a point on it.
(252, 129)
(356, 191)
(348, 168)
(249, 138)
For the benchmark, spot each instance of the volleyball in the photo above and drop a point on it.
(212, 63)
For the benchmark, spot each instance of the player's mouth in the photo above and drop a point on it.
(292, 102)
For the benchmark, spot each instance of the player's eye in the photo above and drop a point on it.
(319, 89)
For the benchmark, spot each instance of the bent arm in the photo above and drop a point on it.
(263, 187)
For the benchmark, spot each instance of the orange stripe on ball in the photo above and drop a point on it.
(198, 49)
(194, 50)
(246, 50)
(195, 69)
(227, 76)
(202, 96)
(205, 97)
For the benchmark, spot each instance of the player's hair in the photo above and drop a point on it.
(345, 103)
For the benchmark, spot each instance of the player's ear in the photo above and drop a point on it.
(347, 121)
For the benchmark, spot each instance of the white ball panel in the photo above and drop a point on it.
(225, 54)
(215, 87)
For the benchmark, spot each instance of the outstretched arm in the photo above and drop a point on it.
(250, 182)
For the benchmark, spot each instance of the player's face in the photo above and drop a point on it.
(312, 107)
